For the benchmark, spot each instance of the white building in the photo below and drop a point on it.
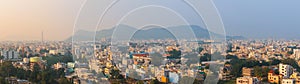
(53, 52)
(10, 54)
(288, 81)
(296, 53)
(285, 70)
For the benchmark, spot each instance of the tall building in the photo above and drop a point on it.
(285, 70)
(296, 53)
(10, 54)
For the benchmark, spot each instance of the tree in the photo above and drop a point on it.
(274, 62)
(140, 82)
(115, 74)
(37, 75)
(258, 71)
(265, 71)
(154, 81)
(63, 80)
(175, 54)
(1, 57)
(291, 62)
(199, 49)
(34, 74)
(2, 80)
(205, 57)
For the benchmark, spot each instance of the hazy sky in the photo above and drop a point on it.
(25, 20)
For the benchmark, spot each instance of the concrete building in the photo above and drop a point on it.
(296, 76)
(10, 55)
(247, 71)
(224, 73)
(285, 70)
(296, 53)
(274, 78)
(247, 80)
(53, 52)
(288, 81)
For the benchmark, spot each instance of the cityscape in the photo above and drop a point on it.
(150, 48)
(245, 61)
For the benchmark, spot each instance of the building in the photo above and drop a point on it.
(247, 80)
(13, 80)
(285, 70)
(296, 53)
(274, 78)
(296, 76)
(141, 59)
(53, 52)
(36, 61)
(224, 73)
(247, 71)
(10, 55)
(59, 65)
(288, 81)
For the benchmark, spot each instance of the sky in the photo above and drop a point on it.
(25, 20)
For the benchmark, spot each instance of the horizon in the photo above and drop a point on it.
(24, 20)
(152, 27)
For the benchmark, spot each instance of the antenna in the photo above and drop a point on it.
(43, 37)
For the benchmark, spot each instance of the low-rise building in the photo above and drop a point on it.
(296, 76)
(288, 81)
(247, 71)
(225, 73)
(274, 78)
(247, 80)
(59, 65)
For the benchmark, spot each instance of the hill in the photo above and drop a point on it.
(152, 32)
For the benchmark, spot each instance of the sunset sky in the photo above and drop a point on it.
(25, 20)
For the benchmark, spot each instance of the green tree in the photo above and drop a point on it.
(291, 62)
(2, 80)
(258, 71)
(63, 80)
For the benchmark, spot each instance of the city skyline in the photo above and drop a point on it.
(149, 42)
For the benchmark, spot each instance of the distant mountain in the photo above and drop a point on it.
(236, 37)
(151, 32)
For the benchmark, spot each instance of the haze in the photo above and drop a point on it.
(25, 20)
